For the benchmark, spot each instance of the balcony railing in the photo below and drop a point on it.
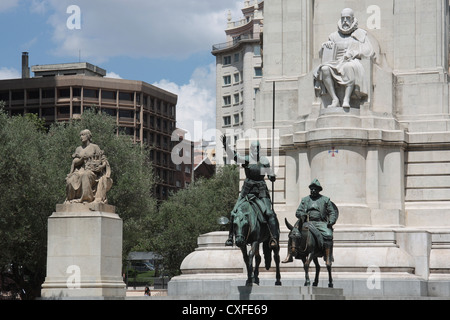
(235, 42)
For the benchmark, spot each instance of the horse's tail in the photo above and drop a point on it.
(267, 254)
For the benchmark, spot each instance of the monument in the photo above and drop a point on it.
(312, 236)
(381, 155)
(84, 253)
(363, 106)
(253, 220)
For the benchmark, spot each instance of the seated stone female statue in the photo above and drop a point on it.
(89, 178)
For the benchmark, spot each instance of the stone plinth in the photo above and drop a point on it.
(368, 262)
(84, 257)
(288, 293)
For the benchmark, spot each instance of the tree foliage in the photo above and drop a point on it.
(23, 212)
(33, 167)
(192, 212)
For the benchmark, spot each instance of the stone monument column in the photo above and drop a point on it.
(335, 107)
(84, 249)
(382, 157)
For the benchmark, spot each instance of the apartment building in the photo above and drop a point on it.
(239, 72)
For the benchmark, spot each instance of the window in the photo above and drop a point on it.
(236, 78)
(236, 57)
(64, 110)
(227, 121)
(4, 96)
(227, 100)
(145, 103)
(90, 93)
(76, 92)
(34, 94)
(64, 93)
(126, 96)
(258, 72)
(48, 93)
(76, 109)
(152, 103)
(257, 50)
(227, 80)
(111, 95)
(227, 60)
(48, 112)
(236, 119)
(126, 114)
(236, 98)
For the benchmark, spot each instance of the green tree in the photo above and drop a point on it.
(33, 167)
(192, 212)
(23, 211)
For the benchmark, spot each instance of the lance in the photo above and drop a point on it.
(273, 144)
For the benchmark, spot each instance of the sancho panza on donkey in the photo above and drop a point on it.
(253, 220)
(312, 235)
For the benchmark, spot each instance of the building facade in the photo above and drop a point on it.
(62, 92)
(238, 73)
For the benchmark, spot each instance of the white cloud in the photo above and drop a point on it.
(113, 75)
(9, 73)
(196, 107)
(140, 28)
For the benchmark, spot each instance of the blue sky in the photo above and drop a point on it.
(162, 42)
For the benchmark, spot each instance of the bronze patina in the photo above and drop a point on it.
(253, 220)
(312, 236)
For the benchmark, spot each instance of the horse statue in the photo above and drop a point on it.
(306, 244)
(250, 228)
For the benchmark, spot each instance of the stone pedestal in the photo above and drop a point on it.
(84, 255)
(368, 262)
(288, 293)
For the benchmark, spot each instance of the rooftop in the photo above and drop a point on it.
(84, 68)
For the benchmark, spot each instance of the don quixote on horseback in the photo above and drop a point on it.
(312, 236)
(253, 220)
